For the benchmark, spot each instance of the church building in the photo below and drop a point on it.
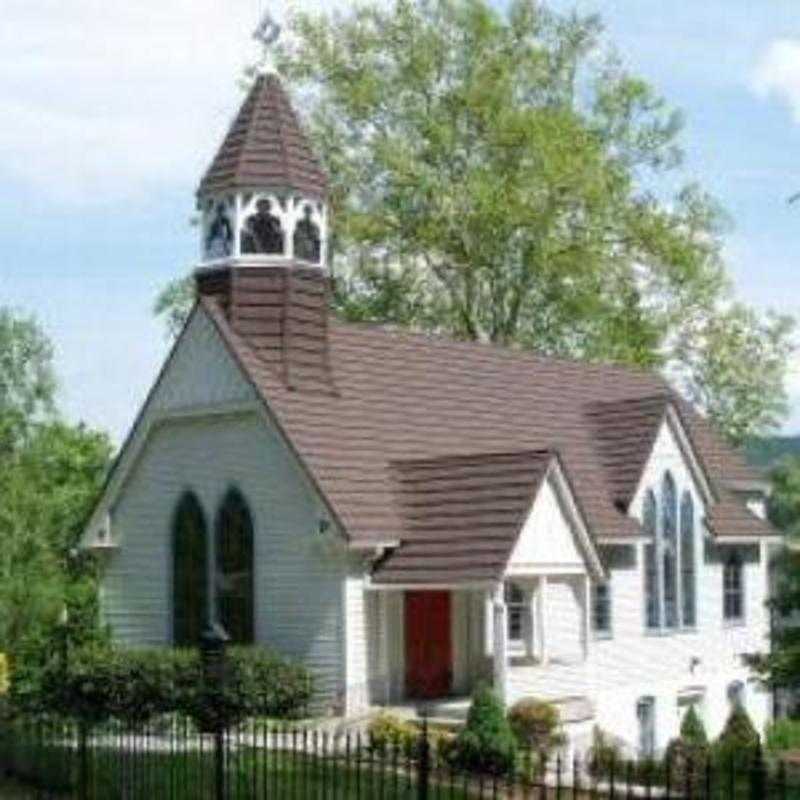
(410, 516)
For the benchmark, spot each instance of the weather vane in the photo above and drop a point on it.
(268, 31)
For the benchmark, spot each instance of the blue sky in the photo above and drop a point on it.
(112, 110)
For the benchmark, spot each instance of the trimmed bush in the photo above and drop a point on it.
(783, 735)
(738, 742)
(486, 744)
(99, 682)
(688, 755)
(536, 725)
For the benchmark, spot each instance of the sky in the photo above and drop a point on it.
(113, 110)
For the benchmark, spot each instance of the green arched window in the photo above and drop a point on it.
(234, 540)
(687, 561)
(189, 572)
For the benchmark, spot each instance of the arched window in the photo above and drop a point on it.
(307, 240)
(733, 588)
(219, 236)
(651, 588)
(516, 609)
(669, 550)
(263, 233)
(234, 539)
(688, 583)
(189, 572)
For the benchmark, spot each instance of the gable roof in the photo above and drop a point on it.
(461, 515)
(407, 398)
(265, 147)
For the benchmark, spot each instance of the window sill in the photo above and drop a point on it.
(734, 623)
(602, 636)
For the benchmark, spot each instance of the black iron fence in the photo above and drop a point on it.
(171, 759)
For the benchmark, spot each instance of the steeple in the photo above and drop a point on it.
(264, 237)
(265, 191)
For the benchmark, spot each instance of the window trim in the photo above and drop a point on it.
(520, 606)
(606, 632)
(734, 561)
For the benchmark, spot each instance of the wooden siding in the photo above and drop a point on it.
(298, 595)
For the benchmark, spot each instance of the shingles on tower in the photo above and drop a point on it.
(263, 204)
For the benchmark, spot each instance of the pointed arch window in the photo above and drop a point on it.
(189, 572)
(688, 578)
(234, 579)
(669, 550)
(307, 239)
(263, 232)
(651, 587)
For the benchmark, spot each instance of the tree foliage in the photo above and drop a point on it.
(50, 473)
(499, 175)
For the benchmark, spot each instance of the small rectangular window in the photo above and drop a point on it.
(601, 608)
(517, 612)
(733, 589)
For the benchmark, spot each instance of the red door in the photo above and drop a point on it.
(429, 652)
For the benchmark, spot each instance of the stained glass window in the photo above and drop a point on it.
(669, 549)
(688, 582)
(189, 572)
(651, 588)
(234, 539)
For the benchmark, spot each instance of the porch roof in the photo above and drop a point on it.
(461, 515)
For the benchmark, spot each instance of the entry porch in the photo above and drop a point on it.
(430, 647)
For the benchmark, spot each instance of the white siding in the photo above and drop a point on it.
(634, 663)
(547, 541)
(299, 574)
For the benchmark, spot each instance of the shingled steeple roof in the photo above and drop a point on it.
(265, 147)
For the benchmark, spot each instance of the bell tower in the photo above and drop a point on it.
(264, 237)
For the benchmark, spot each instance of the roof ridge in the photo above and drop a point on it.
(496, 347)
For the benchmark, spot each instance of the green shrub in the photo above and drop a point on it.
(738, 741)
(688, 755)
(604, 754)
(536, 724)
(486, 744)
(99, 682)
(783, 735)
(387, 731)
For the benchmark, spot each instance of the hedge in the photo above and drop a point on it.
(100, 682)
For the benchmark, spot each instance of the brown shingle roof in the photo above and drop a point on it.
(265, 147)
(406, 397)
(461, 514)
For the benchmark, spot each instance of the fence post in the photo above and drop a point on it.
(83, 760)
(758, 784)
(424, 769)
(212, 653)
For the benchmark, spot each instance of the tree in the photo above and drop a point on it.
(50, 474)
(494, 177)
(784, 499)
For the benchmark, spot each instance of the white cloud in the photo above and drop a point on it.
(105, 100)
(777, 74)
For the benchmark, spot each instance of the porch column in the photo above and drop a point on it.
(587, 615)
(500, 639)
(541, 614)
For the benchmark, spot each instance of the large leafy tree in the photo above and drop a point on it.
(500, 176)
(50, 473)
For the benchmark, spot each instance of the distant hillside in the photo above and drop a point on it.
(769, 450)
